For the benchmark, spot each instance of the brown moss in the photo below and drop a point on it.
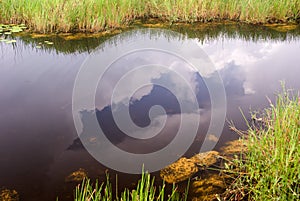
(282, 27)
(206, 159)
(9, 195)
(185, 168)
(234, 147)
(209, 188)
(76, 176)
(179, 171)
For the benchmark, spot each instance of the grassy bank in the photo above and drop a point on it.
(93, 16)
(270, 170)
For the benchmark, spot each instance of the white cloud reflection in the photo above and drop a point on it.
(257, 60)
(135, 76)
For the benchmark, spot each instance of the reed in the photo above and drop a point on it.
(270, 170)
(98, 15)
(145, 191)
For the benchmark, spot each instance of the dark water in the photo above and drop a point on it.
(39, 145)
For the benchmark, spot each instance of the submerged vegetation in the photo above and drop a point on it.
(270, 169)
(93, 16)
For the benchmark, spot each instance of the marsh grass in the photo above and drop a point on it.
(99, 15)
(270, 170)
(145, 191)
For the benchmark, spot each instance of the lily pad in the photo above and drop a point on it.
(11, 28)
(48, 42)
(11, 41)
(16, 30)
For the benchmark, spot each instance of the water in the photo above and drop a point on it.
(39, 146)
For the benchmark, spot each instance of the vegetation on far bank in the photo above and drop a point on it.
(93, 16)
(270, 169)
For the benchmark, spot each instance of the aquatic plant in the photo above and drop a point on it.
(7, 29)
(93, 16)
(270, 169)
(145, 191)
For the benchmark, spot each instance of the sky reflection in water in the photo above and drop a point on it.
(36, 115)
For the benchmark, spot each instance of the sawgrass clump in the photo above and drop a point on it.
(93, 16)
(270, 169)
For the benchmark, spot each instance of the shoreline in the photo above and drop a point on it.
(150, 23)
(153, 23)
(61, 16)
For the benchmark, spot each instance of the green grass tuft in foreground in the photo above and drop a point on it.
(271, 167)
(145, 191)
(99, 15)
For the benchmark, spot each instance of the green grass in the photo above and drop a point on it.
(270, 170)
(99, 15)
(145, 191)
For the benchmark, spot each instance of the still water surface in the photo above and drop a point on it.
(38, 140)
